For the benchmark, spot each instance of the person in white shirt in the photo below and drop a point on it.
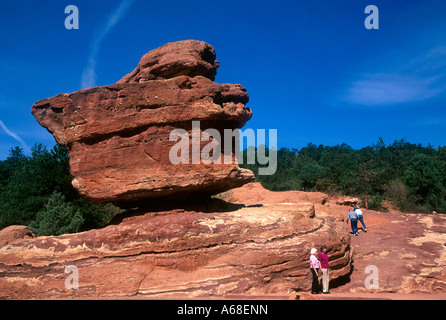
(360, 217)
(314, 267)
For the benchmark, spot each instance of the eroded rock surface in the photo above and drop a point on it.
(408, 251)
(118, 135)
(250, 248)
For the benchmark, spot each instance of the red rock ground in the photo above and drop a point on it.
(409, 250)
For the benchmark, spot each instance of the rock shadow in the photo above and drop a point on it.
(205, 204)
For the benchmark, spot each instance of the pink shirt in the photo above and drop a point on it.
(324, 260)
(314, 262)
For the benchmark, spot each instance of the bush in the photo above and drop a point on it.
(397, 193)
(375, 203)
(95, 216)
(326, 185)
(57, 217)
(309, 175)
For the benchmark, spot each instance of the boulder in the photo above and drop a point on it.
(118, 136)
(347, 201)
(246, 241)
(14, 233)
(254, 193)
(190, 58)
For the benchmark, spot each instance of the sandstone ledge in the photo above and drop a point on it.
(247, 249)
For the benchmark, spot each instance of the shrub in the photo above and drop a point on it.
(57, 217)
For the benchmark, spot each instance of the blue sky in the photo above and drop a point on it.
(313, 71)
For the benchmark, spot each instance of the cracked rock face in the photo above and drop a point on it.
(118, 135)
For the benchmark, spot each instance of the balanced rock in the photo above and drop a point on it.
(118, 136)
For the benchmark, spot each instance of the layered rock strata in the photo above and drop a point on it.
(118, 135)
(260, 248)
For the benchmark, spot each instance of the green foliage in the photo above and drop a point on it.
(57, 217)
(309, 174)
(398, 193)
(410, 176)
(375, 203)
(422, 176)
(30, 185)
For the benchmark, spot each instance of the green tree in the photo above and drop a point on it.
(30, 183)
(441, 164)
(367, 174)
(398, 193)
(57, 217)
(422, 177)
(15, 157)
(309, 174)
(27, 183)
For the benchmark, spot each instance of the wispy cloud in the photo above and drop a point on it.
(390, 89)
(15, 136)
(89, 74)
(416, 79)
(430, 122)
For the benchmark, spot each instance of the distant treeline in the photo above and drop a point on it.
(36, 191)
(411, 177)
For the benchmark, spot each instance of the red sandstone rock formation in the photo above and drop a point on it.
(249, 249)
(118, 140)
(118, 135)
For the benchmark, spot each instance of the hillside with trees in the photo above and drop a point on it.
(36, 191)
(410, 176)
